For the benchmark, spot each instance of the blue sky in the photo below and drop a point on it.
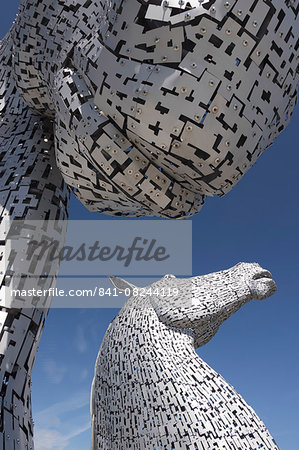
(255, 350)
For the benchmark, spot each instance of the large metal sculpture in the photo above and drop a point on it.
(142, 108)
(32, 189)
(158, 103)
(152, 390)
(34, 202)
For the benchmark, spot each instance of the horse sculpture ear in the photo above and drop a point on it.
(121, 285)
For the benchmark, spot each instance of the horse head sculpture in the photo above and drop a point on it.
(150, 386)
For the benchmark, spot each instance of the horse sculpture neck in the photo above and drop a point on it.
(145, 332)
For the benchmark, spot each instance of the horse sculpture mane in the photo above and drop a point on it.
(152, 390)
